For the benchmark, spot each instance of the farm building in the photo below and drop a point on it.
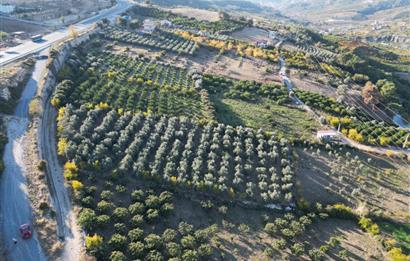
(149, 26)
(327, 135)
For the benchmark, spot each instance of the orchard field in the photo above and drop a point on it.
(168, 162)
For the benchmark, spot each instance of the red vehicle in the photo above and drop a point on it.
(25, 231)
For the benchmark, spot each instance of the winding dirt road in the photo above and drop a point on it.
(66, 222)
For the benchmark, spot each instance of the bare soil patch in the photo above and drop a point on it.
(229, 65)
(251, 34)
(200, 14)
(44, 214)
(351, 179)
(358, 244)
(312, 83)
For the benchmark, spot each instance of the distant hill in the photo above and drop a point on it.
(242, 5)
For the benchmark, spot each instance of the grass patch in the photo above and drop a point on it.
(265, 114)
(400, 232)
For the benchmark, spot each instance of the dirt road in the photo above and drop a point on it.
(66, 223)
(14, 203)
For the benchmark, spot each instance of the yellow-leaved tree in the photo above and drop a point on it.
(93, 243)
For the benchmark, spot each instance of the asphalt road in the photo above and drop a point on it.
(28, 47)
(14, 203)
(15, 206)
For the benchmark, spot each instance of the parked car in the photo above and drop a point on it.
(25, 231)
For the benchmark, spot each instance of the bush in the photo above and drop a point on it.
(205, 250)
(153, 241)
(190, 255)
(271, 229)
(120, 214)
(188, 242)
(41, 165)
(103, 220)
(341, 211)
(137, 220)
(117, 256)
(136, 249)
(173, 249)
(297, 249)
(137, 195)
(152, 214)
(93, 243)
(135, 234)
(104, 207)
(118, 242)
(185, 228)
(169, 235)
(120, 228)
(87, 219)
(136, 208)
(154, 255)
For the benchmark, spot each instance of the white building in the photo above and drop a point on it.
(327, 135)
(149, 26)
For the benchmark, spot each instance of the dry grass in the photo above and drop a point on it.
(44, 221)
(200, 14)
(330, 178)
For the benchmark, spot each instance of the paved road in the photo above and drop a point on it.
(14, 203)
(11, 54)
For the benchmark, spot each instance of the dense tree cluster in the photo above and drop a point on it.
(226, 24)
(136, 84)
(122, 229)
(245, 90)
(236, 162)
(162, 40)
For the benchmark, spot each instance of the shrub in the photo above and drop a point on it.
(271, 229)
(120, 228)
(205, 250)
(103, 220)
(106, 195)
(120, 214)
(165, 196)
(368, 225)
(154, 255)
(341, 211)
(188, 241)
(185, 228)
(316, 255)
(93, 243)
(169, 235)
(153, 241)
(279, 244)
(297, 249)
(137, 220)
(136, 249)
(152, 214)
(118, 242)
(136, 208)
(104, 207)
(87, 219)
(77, 185)
(117, 256)
(173, 249)
(190, 255)
(396, 254)
(135, 234)
(41, 165)
(137, 195)
(152, 201)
